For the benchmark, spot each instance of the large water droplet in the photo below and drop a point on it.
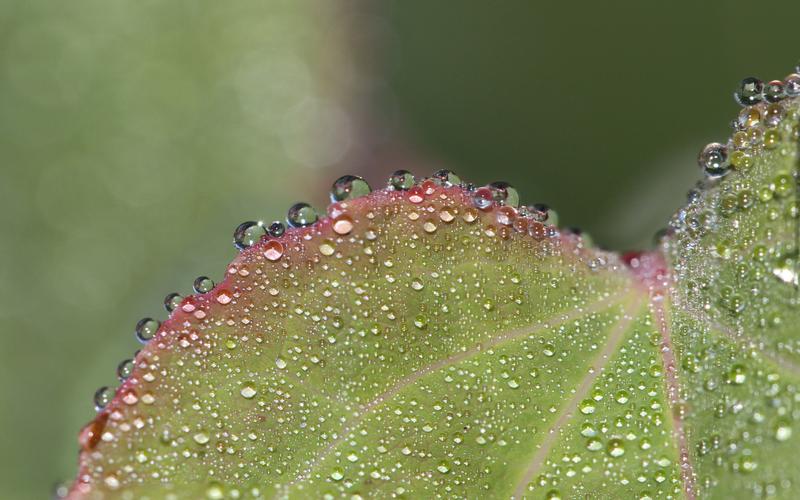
(348, 187)
(401, 180)
(447, 178)
(248, 234)
(774, 92)
(172, 301)
(301, 215)
(146, 328)
(750, 91)
(504, 193)
(203, 284)
(102, 397)
(124, 369)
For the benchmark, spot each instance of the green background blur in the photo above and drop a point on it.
(134, 136)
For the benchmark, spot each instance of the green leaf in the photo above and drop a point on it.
(413, 345)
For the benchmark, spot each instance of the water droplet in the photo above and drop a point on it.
(301, 215)
(102, 397)
(773, 92)
(504, 193)
(172, 301)
(447, 178)
(201, 438)
(337, 474)
(443, 467)
(276, 229)
(248, 390)
(146, 328)
(737, 375)
(791, 85)
(401, 180)
(616, 448)
(348, 187)
(124, 369)
(327, 247)
(587, 406)
(594, 444)
(203, 284)
(273, 250)
(343, 225)
(248, 234)
(750, 91)
(713, 159)
(280, 362)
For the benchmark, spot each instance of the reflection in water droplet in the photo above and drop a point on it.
(124, 369)
(276, 229)
(172, 301)
(248, 234)
(203, 284)
(447, 178)
(750, 91)
(301, 215)
(102, 397)
(348, 187)
(146, 328)
(401, 180)
(713, 159)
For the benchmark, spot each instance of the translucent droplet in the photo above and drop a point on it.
(750, 91)
(248, 234)
(201, 438)
(146, 328)
(203, 284)
(791, 85)
(124, 369)
(774, 92)
(594, 444)
(737, 375)
(504, 193)
(713, 159)
(248, 390)
(172, 301)
(348, 187)
(301, 215)
(102, 397)
(276, 229)
(616, 448)
(447, 178)
(401, 180)
(587, 406)
(273, 250)
(343, 225)
(327, 248)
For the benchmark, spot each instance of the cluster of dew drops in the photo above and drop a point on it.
(544, 222)
(756, 126)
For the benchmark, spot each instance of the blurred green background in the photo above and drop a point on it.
(134, 137)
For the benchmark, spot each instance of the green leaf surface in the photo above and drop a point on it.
(412, 345)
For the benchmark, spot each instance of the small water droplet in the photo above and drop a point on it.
(276, 229)
(616, 448)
